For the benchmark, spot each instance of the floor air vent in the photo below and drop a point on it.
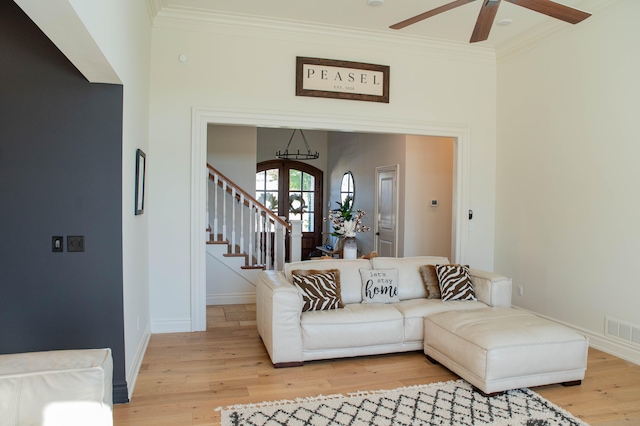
(622, 330)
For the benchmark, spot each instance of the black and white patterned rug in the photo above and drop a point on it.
(448, 403)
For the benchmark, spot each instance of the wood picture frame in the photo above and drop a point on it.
(329, 78)
(141, 163)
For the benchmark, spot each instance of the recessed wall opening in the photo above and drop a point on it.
(203, 117)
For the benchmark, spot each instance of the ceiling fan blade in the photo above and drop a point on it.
(429, 14)
(485, 20)
(555, 10)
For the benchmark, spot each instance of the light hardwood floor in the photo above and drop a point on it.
(185, 376)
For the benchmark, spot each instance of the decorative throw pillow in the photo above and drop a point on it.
(430, 280)
(370, 255)
(379, 285)
(320, 289)
(455, 282)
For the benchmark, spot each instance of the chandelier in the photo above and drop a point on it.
(286, 155)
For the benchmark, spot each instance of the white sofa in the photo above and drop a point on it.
(57, 388)
(292, 336)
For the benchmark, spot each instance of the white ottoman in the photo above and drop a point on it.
(497, 349)
(57, 388)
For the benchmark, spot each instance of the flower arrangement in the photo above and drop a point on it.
(343, 220)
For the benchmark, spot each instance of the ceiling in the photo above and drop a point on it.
(455, 25)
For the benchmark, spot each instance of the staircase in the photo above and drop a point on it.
(244, 237)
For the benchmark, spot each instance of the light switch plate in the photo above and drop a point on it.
(57, 244)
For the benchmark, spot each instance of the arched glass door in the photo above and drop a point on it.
(293, 189)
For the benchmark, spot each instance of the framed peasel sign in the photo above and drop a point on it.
(328, 78)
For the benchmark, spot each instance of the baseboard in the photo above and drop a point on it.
(171, 326)
(132, 376)
(120, 393)
(613, 347)
(231, 299)
(601, 342)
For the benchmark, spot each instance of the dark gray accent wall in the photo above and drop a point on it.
(60, 174)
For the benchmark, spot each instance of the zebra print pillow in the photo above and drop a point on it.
(455, 282)
(320, 289)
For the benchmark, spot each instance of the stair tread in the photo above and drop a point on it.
(218, 242)
(253, 267)
(235, 255)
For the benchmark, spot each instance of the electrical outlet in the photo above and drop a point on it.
(520, 290)
(75, 243)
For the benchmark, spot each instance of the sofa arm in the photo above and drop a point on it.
(490, 288)
(279, 306)
(64, 387)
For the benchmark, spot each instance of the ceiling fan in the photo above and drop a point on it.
(490, 8)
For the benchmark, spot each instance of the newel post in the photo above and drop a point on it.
(295, 248)
(278, 245)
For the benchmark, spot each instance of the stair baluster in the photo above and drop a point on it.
(264, 241)
(267, 237)
(251, 249)
(216, 179)
(224, 210)
(241, 240)
(234, 247)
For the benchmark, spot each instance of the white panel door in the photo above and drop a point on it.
(386, 211)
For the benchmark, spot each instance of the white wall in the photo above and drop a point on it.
(237, 65)
(232, 151)
(425, 173)
(361, 153)
(568, 167)
(429, 176)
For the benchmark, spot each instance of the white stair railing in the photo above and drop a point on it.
(265, 241)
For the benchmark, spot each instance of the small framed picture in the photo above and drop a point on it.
(141, 162)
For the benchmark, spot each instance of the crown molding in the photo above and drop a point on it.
(154, 7)
(194, 19)
(553, 28)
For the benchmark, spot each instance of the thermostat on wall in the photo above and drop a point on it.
(434, 203)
